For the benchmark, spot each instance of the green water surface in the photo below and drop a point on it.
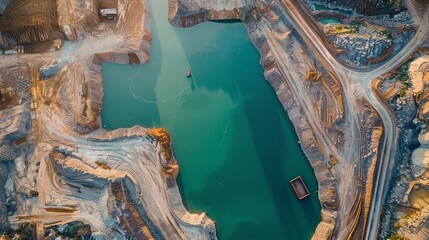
(331, 20)
(236, 148)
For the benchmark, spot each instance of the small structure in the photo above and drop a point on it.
(188, 72)
(20, 49)
(299, 187)
(109, 13)
(57, 44)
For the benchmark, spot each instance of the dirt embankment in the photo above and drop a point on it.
(66, 107)
(190, 13)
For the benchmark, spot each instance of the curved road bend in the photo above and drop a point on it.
(364, 79)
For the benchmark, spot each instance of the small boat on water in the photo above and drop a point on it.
(299, 187)
(188, 72)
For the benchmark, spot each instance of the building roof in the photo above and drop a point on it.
(107, 11)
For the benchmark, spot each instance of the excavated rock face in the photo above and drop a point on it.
(406, 212)
(189, 13)
(171, 168)
(25, 22)
(186, 14)
(419, 74)
(137, 225)
(72, 230)
(164, 138)
(55, 176)
(355, 46)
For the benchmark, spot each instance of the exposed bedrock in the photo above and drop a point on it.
(121, 183)
(189, 13)
(419, 75)
(405, 89)
(123, 175)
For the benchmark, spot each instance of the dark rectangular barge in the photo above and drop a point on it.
(299, 187)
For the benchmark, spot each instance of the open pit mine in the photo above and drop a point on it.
(352, 76)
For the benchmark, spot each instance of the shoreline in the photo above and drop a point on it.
(69, 116)
(302, 128)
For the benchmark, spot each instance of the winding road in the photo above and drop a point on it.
(361, 80)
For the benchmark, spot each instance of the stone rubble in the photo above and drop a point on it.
(363, 46)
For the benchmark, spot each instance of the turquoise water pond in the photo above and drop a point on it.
(235, 145)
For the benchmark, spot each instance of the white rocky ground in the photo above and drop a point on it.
(419, 74)
(64, 174)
